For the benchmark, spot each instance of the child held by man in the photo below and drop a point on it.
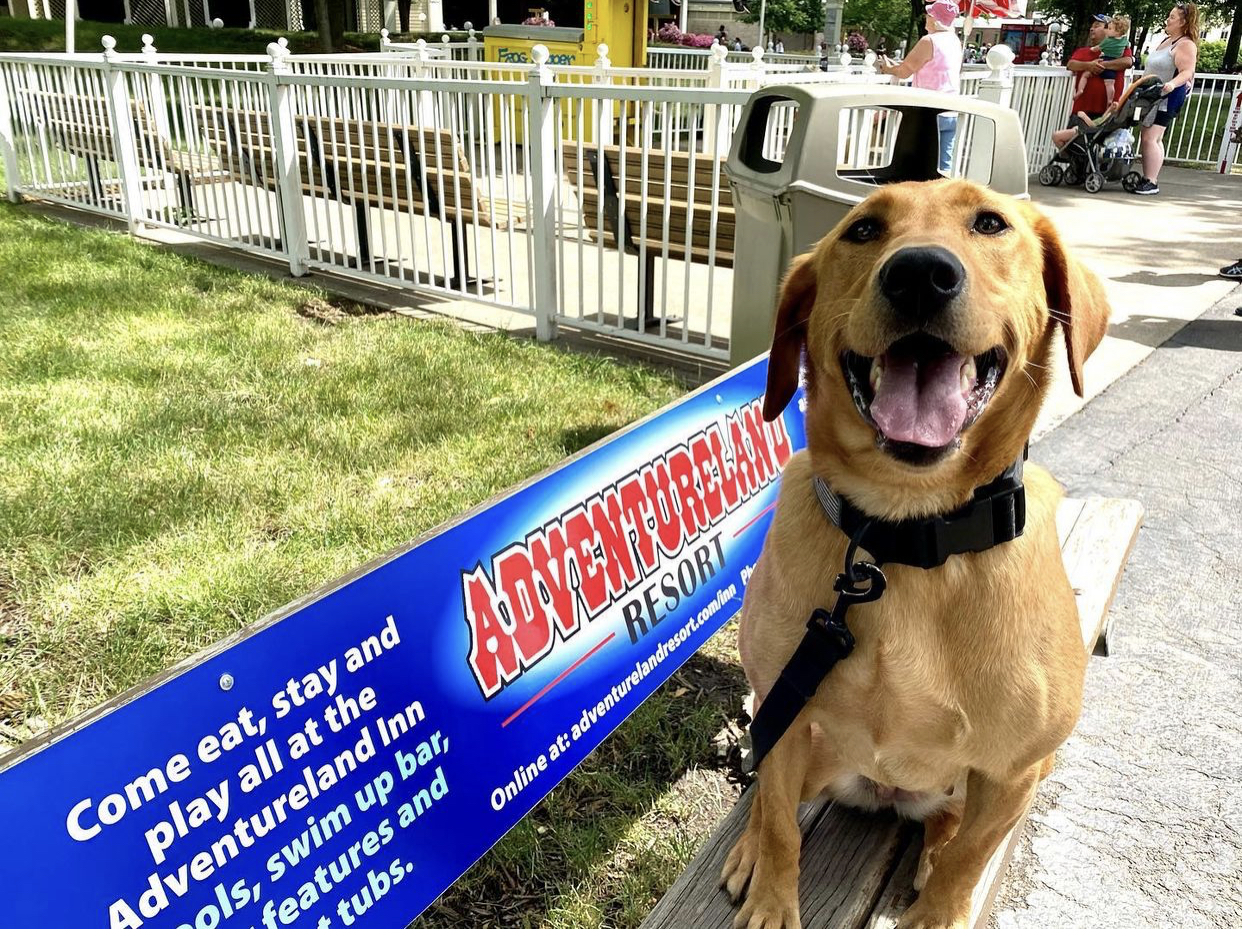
(1113, 46)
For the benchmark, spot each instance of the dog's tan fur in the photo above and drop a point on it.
(965, 678)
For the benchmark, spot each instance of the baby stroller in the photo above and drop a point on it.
(1105, 152)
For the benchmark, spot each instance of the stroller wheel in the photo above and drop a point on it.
(1095, 182)
(1073, 175)
(1130, 181)
(1051, 174)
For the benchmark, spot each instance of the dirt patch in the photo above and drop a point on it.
(337, 311)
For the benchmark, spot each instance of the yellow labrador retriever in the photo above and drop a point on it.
(926, 323)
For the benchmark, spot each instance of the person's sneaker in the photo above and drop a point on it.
(1233, 271)
(1147, 187)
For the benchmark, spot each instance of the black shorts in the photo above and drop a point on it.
(1163, 119)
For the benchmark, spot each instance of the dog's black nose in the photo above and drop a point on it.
(920, 282)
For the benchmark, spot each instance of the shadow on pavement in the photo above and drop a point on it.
(1214, 334)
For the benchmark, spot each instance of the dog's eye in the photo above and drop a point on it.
(863, 230)
(989, 222)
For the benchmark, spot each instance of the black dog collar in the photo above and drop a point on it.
(995, 514)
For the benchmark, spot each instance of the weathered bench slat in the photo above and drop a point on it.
(858, 868)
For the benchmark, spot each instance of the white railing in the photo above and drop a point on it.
(687, 58)
(1195, 137)
(462, 50)
(1041, 96)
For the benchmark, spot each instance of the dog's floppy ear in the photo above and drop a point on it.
(789, 335)
(1076, 299)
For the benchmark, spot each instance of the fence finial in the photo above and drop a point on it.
(283, 43)
(869, 58)
(757, 54)
(539, 54)
(445, 39)
(719, 53)
(279, 54)
(383, 37)
(845, 59)
(999, 58)
(148, 44)
(109, 47)
(601, 60)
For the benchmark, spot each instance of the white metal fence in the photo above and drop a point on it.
(687, 58)
(1196, 136)
(591, 197)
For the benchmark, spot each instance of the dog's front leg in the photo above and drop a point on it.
(766, 856)
(992, 808)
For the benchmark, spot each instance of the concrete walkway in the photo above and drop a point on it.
(1157, 257)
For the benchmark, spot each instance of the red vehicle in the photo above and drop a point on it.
(1028, 41)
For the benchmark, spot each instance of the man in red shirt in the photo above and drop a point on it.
(1094, 97)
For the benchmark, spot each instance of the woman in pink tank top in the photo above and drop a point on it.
(935, 64)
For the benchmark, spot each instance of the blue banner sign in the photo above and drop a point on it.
(346, 760)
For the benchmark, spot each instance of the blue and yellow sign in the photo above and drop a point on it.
(344, 762)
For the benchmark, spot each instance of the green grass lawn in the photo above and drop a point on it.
(185, 448)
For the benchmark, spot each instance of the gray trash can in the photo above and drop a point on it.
(804, 155)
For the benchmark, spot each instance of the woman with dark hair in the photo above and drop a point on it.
(1174, 62)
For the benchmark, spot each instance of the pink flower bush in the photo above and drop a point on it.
(669, 34)
(537, 21)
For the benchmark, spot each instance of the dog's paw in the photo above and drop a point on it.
(768, 908)
(924, 914)
(739, 866)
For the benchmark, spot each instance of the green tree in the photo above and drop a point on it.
(787, 16)
(1235, 36)
(889, 19)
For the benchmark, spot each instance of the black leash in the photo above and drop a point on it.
(995, 514)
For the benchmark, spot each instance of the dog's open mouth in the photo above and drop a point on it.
(921, 394)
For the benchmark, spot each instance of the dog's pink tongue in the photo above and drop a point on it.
(920, 402)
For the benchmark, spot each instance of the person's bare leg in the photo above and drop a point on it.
(1153, 151)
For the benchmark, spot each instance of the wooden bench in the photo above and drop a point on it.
(364, 163)
(640, 227)
(858, 868)
(82, 126)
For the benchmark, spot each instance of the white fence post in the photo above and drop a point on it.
(8, 146)
(384, 40)
(541, 113)
(474, 51)
(122, 118)
(285, 139)
(155, 82)
(1231, 138)
(602, 64)
(715, 79)
(997, 87)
